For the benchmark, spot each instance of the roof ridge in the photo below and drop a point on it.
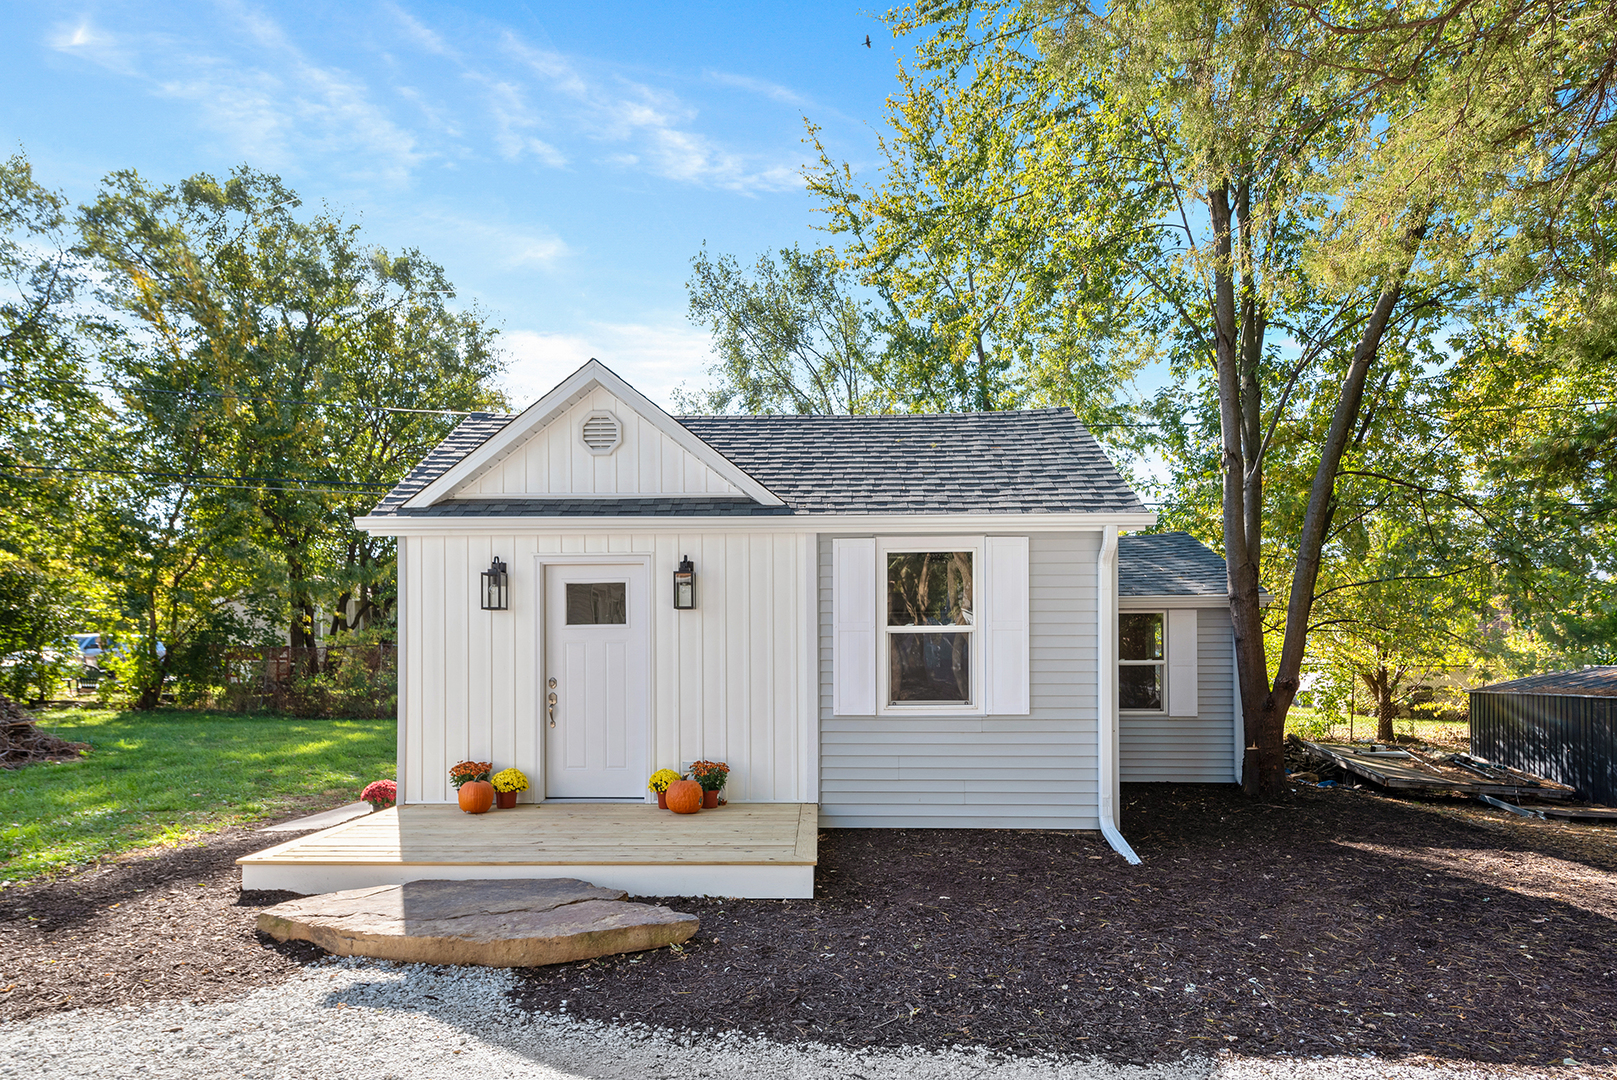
(682, 417)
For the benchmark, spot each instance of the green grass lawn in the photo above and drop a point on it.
(165, 777)
(1313, 725)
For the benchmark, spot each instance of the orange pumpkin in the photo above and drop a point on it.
(684, 796)
(476, 796)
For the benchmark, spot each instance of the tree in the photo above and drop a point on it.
(1530, 400)
(791, 337)
(295, 365)
(995, 299)
(50, 430)
(1169, 147)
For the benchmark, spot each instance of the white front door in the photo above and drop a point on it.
(597, 700)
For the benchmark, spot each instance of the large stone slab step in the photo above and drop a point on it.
(496, 923)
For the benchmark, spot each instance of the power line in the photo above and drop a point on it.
(209, 486)
(356, 485)
(260, 400)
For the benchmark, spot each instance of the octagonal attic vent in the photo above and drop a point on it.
(601, 432)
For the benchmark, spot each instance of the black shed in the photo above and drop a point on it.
(1562, 725)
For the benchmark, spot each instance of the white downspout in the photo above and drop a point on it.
(1106, 692)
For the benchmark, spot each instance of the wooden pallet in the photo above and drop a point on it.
(1405, 770)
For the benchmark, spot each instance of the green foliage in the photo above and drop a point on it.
(264, 362)
(265, 344)
(35, 620)
(790, 336)
(164, 778)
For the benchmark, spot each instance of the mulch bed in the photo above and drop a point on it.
(149, 927)
(1336, 921)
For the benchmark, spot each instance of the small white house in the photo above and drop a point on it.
(919, 621)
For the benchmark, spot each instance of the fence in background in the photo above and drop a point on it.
(325, 680)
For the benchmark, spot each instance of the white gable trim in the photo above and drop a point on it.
(572, 390)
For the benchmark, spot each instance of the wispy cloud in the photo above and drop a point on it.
(654, 358)
(514, 118)
(271, 111)
(479, 90)
(650, 129)
(761, 87)
(419, 34)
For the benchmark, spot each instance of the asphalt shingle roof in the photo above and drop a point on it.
(1590, 682)
(1021, 462)
(1169, 564)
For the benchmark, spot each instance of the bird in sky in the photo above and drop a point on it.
(867, 41)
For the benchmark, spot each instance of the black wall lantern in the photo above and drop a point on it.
(496, 587)
(685, 585)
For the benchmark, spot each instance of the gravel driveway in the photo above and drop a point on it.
(375, 1020)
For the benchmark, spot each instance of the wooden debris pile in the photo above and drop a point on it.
(22, 743)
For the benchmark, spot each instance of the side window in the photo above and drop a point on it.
(1142, 658)
(930, 626)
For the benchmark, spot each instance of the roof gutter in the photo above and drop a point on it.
(856, 524)
(1106, 692)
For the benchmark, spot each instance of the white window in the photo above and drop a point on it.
(1141, 661)
(930, 625)
(1157, 662)
(930, 653)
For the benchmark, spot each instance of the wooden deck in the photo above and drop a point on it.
(743, 849)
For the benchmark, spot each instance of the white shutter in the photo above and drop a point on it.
(1005, 622)
(1181, 643)
(853, 626)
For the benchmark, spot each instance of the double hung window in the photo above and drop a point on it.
(930, 627)
(1142, 660)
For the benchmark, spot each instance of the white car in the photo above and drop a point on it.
(91, 647)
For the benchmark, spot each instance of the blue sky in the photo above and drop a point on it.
(562, 161)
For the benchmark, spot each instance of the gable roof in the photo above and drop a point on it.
(1169, 564)
(510, 436)
(1030, 461)
(1590, 682)
(1025, 461)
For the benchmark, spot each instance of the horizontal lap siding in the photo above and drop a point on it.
(1197, 749)
(1034, 771)
(731, 680)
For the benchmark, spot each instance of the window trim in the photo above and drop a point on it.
(1161, 663)
(979, 599)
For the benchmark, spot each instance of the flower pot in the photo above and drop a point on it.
(662, 800)
(710, 800)
(505, 800)
(476, 796)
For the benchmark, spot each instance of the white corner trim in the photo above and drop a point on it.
(571, 390)
(1106, 693)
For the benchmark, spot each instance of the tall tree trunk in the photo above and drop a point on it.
(1242, 523)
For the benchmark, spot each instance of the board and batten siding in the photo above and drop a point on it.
(1033, 771)
(1198, 749)
(555, 461)
(732, 680)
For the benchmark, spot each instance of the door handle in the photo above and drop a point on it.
(550, 707)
